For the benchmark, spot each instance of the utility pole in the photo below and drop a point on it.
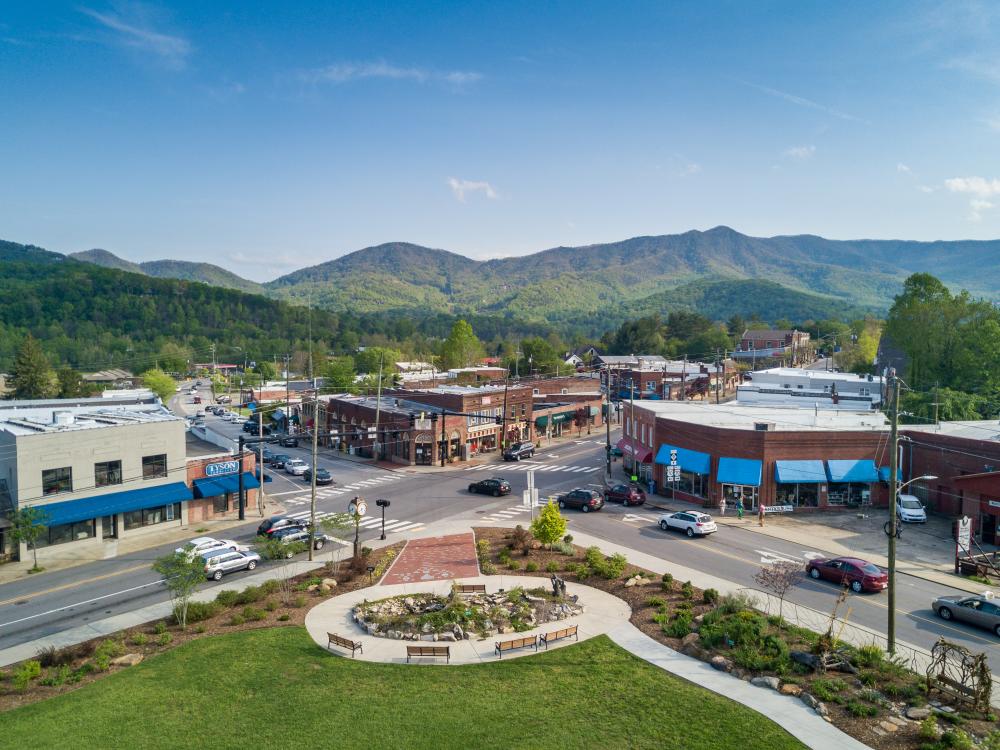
(936, 405)
(242, 490)
(444, 445)
(503, 421)
(684, 377)
(288, 399)
(717, 384)
(378, 407)
(312, 478)
(607, 426)
(893, 490)
(260, 434)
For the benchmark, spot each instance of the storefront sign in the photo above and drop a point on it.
(219, 469)
(964, 534)
(779, 508)
(485, 401)
(423, 424)
(995, 503)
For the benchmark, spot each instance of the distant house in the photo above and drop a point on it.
(116, 378)
(772, 344)
(408, 371)
(581, 356)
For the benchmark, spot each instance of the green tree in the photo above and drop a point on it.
(31, 376)
(28, 526)
(70, 384)
(266, 370)
(461, 348)
(182, 573)
(550, 526)
(368, 360)
(339, 374)
(159, 383)
(281, 551)
(174, 357)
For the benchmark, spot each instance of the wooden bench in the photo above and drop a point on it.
(501, 646)
(469, 588)
(555, 635)
(339, 640)
(444, 651)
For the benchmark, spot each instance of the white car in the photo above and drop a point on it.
(235, 418)
(207, 543)
(296, 467)
(909, 509)
(691, 522)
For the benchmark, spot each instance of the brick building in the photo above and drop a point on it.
(792, 459)
(214, 481)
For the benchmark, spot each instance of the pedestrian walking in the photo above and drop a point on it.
(722, 507)
(739, 508)
(760, 513)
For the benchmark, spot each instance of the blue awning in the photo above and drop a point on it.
(688, 460)
(799, 472)
(215, 486)
(114, 502)
(862, 471)
(739, 471)
(883, 474)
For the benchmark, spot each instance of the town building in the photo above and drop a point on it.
(406, 372)
(213, 475)
(572, 413)
(793, 386)
(100, 471)
(785, 458)
(674, 379)
(790, 346)
(114, 378)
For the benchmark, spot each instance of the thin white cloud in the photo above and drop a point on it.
(925, 188)
(799, 152)
(977, 206)
(981, 188)
(689, 169)
(803, 102)
(136, 32)
(356, 71)
(460, 188)
(987, 68)
(900, 167)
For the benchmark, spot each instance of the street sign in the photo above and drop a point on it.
(779, 508)
(964, 534)
(422, 424)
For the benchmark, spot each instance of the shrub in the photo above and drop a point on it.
(687, 590)
(250, 595)
(236, 619)
(679, 627)
(488, 569)
(564, 549)
(58, 677)
(825, 689)
(253, 614)
(667, 578)
(482, 548)
(299, 601)
(990, 741)
(165, 639)
(552, 567)
(514, 565)
(656, 601)
(83, 650)
(929, 728)
(859, 709)
(906, 692)
(583, 571)
(531, 567)
(25, 673)
(50, 656)
(710, 596)
(503, 556)
(140, 639)
(872, 696)
(272, 586)
(366, 551)
(198, 611)
(957, 740)
(284, 618)
(271, 605)
(870, 656)
(770, 654)
(199, 629)
(227, 598)
(160, 628)
(568, 539)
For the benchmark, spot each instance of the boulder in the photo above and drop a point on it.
(689, 639)
(888, 726)
(634, 581)
(128, 660)
(790, 689)
(721, 663)
(314, 586)
(917, 714)
(447, 637)
(428, 637)
(809, 700)
(772, 683)
(325, 588)
(331, 582)
(822, 710)
(806, 659)
(694, 651)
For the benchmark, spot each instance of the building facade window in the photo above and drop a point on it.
(67, 532)
(220, 503)
(805, 494)
(691, 483)
(154, 467)
(135, 519)
(55, 481)
(107, 473)
(849, 493)
(734, 492)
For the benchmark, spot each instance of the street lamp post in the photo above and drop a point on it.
(383, 504)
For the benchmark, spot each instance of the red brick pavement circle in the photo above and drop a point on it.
(434, 559)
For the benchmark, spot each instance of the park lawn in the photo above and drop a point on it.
(277, 688)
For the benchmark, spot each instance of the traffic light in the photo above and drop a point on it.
(499, 419)
(413, 421)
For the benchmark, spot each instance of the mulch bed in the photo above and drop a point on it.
(643, 613)
(280, 615)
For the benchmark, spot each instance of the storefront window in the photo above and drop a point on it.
(67, 532)
(107, 473)
(693, 484)
(733, 492)
(134, 519)
(55, 481)
(805, 495)
(849, 493)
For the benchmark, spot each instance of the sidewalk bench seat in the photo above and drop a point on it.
(555, 635)
(431, 651)
(469, 588)
(501, 646)
(345, 643)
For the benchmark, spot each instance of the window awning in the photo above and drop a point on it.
(862, 471)
(114, 502)
(563, 416)
(883, 474)
(693, 461)
(215, 486)
(739, 471)
(799, 472)
(641, 453)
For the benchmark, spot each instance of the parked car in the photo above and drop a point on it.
(975, 610)
(206, 543)
(278, 460)
(270, 525)
(322, 476)
(267, 455)
(495, 486)
(585, 500)
(301, 534)
(234, 418)
(691, 522)
(218, 563)
(627, 494)
(249, 426)
(517, 451)
(859, 574)
(296, 467)
(909, 509)
(288, 441)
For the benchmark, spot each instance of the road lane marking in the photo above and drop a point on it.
(63, 587)
(630, 517)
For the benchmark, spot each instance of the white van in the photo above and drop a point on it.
(909, 509)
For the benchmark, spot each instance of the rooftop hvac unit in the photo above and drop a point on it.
(62, 417)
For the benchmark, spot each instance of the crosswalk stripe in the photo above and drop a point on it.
(408, 526)
(393, 525)
(581, 468)
(371, 521)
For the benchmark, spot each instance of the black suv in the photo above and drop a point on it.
(278, 460)
(585, 500)
(288, 441)
(517, 451)
(273, 524)
(495, 486)
(300, 534)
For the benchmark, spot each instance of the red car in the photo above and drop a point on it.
(627, 494)
(860, 575)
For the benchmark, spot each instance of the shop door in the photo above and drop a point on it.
(109, 527)
(988, 528)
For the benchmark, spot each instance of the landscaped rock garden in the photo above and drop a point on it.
(429, 617)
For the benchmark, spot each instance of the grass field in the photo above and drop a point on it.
(273, 688)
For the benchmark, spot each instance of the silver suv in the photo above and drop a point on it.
(220, 562)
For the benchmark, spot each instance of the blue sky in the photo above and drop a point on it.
(269, 136)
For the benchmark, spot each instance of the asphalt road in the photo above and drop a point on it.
(51, 602)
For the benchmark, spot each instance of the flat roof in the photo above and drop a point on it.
(736, 416)
(69, 418)
(973, 429)
(798, 372)
(461, 390)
